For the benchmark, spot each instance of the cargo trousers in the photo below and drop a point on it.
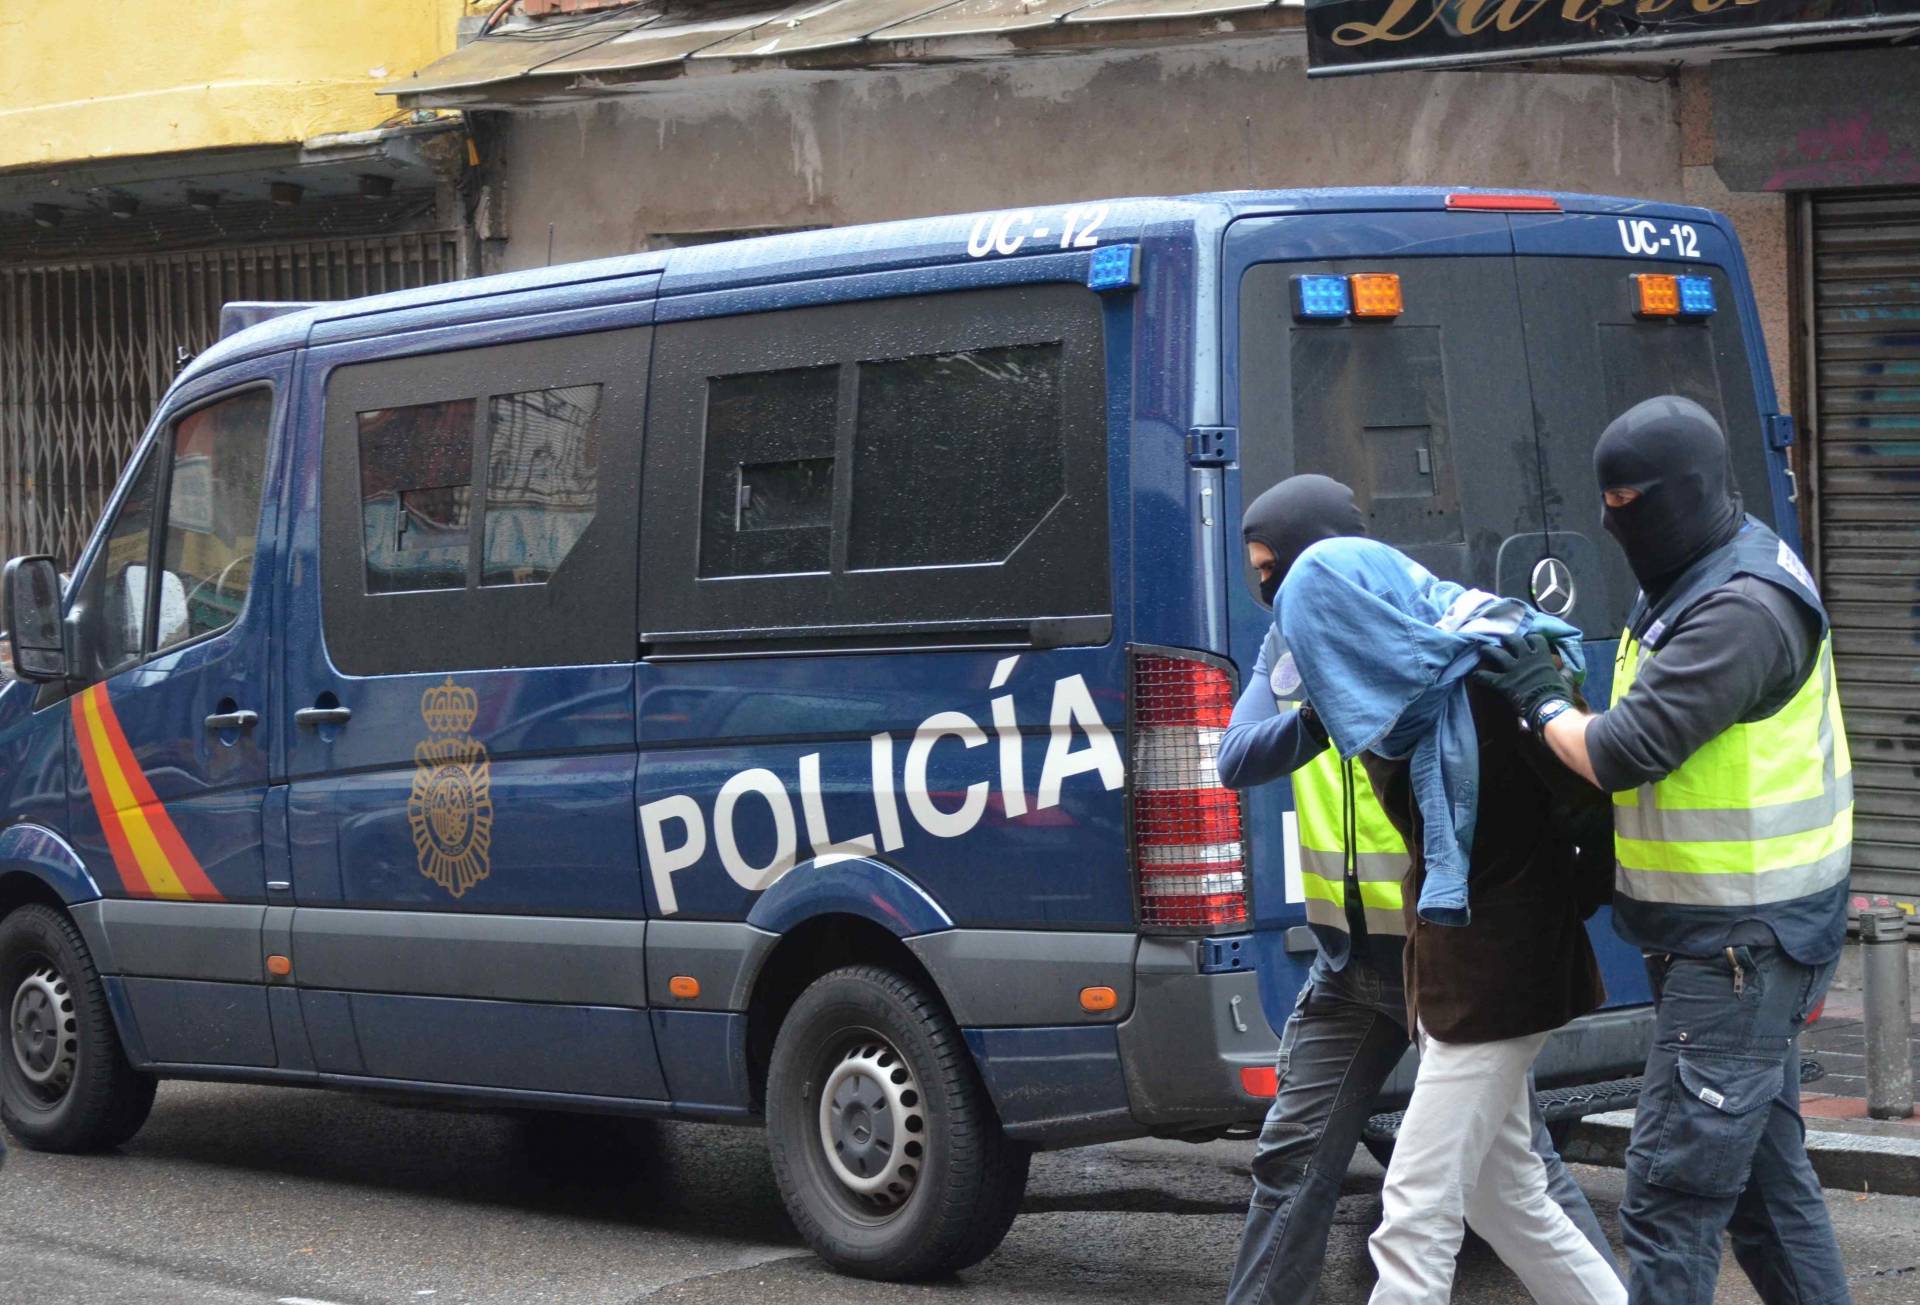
(1347, 1032)
(1718, 1146)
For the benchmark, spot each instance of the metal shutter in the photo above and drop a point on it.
(1866, 391)
(88, 345)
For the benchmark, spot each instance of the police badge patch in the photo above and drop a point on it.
(451, 809)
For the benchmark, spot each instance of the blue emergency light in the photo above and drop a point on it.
(1321, 296)
(1114, 267)
(1696, 296)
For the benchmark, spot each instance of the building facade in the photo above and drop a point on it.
(605, 128)
(159, 158)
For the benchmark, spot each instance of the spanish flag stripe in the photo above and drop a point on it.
(123, 859)
(182, 866)
(144, 847)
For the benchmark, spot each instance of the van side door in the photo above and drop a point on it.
(459, 669)
(170, 622)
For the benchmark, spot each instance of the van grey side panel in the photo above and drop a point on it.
(578, 1049)
(188, 1023)
(1012, 977)
(218, 941)
(503, 957)
(724, 956)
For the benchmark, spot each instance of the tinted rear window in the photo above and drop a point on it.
(1466, 425)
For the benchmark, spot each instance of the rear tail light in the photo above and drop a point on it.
(1189, 848)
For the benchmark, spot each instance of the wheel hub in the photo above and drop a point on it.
(46, 1041)
(871, 1128)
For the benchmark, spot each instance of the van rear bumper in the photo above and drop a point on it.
(1173, 1065)
(1184, 1048)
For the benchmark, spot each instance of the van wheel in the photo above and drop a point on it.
(887, 1151)
(65, 1084)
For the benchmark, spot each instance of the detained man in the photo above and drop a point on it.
(1349, 1028)
(1496, 954)
(1726, 756)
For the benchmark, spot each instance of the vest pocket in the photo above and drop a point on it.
(1714, 1112)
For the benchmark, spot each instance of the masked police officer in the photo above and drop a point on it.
(1348, 1029)
(1733, 825)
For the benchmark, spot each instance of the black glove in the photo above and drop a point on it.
(1315, 727)
(1521, 670)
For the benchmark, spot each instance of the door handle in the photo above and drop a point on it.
(314, 717)
(233, 720)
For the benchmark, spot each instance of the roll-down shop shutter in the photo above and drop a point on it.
(1866, 412)
(89, 344)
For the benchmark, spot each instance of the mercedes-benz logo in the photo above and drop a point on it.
(1553, 586)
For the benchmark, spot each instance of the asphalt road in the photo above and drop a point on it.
(258, 1196)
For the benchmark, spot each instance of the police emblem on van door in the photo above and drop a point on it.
(451, 809)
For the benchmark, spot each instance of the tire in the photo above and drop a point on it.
(923, 1182)
(65, 1084)
(1381, 1149)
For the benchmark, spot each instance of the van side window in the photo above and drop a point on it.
(976, 432)
(928, 468)
(766, 498)
(543, 466)
(416, 492)
(113, 597)
(213, 516)
(476, 505)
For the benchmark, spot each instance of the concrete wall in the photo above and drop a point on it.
(723, 153)
(720, 153)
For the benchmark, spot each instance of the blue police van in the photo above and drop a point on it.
(778, 681)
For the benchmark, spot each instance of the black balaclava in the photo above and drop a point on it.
(1293, 516)
(1672, 451)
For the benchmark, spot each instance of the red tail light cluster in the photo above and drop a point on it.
(1188, 849)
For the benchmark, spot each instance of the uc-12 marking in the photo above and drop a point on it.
(1005, 233)
(1639, 236)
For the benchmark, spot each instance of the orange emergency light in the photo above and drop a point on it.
(1656, 295)
(1376, 294)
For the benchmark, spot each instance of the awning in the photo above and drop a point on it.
(635, 49)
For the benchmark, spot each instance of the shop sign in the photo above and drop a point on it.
(1350, 36)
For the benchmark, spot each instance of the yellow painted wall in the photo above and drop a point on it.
(86, 79)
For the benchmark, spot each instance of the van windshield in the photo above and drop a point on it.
(1466, 423)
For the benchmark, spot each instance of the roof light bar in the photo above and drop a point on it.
(1696, 296)
(1656, 295)
(1316, 295)
(1114, 267)
(1505, 203)
(1376, 294)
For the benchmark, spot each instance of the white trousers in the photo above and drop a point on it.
(1465, 1153)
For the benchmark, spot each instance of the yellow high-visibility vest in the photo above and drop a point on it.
(1763, 813)
(1379, 857)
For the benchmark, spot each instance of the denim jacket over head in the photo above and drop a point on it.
(1383, 649)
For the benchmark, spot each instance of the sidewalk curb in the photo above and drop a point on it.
(1866, 1159)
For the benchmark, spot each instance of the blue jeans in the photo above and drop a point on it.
(1718, 1145)
(1346, 1034)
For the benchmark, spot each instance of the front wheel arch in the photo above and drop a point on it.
(819, 946)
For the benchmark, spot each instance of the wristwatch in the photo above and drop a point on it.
(1548, 711)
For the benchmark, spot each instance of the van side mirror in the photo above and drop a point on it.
(30, 589)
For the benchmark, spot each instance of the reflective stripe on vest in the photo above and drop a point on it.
(1380, 854)
(1762, 813)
